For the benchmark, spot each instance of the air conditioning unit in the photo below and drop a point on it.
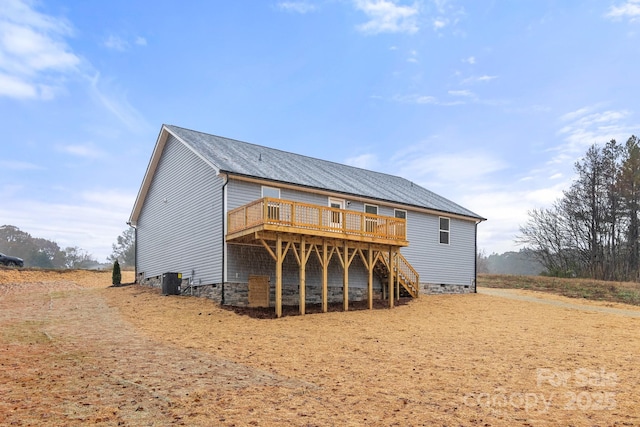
(171, 283)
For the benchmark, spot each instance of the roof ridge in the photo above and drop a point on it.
(236, 156)
(300, 155)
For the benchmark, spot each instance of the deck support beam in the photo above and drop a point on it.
(303, 263)
(387, 257)
(345, 278)
(391, 278)
(395, 264)
(368, 264)
(370, 280)
(325, 277)
(279, 260)
(345, 260)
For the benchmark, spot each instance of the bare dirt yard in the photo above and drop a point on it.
(74, 351)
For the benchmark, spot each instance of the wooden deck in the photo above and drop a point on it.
(281, 226)
(286, 216)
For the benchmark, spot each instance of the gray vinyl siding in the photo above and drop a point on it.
(452, 264)
(240, 193)
(180, 224)
(243, 261)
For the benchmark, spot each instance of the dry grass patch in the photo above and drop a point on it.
(598, 290)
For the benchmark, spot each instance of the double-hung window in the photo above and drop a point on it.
(370, 222)
(444, 230)
(400, 229)
(273, 207)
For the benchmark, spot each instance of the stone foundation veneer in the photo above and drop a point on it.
(237, 294)
(438, 289)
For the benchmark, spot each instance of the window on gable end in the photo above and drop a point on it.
(444, 230)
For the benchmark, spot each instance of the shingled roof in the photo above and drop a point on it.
(250, 160)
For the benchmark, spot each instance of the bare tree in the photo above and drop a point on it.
(629, 188)
(125, 249)
(78, 258)
(594, 229)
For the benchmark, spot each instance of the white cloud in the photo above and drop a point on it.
(120, 44)
(17, 165)
(478, 79)
(440, 23)
(88, 151)
(466, 93)
(423, 164)
(33, 51)
(117, 104)
(116, 43)
(587, 126)
(486, 78)
(364, 161)
(74, 223)
(629, 9)
(446, 14)
(15, 87)
(386, 16)
(424, 100)
(470, 60)
(297, 6)
(416, 99)
(506, 209)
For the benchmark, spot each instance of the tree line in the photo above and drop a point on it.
(43, 253)
(593, 230)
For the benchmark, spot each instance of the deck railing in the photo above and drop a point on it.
(406, 275)
(315, 218)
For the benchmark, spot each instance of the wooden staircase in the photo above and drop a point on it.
(404, 273)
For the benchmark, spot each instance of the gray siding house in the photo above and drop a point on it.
(249, 225)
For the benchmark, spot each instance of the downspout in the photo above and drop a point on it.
(224, 209)
(135, 251)
(475, 261)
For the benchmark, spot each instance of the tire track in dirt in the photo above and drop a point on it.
(75, 349)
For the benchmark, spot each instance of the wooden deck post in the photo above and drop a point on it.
(279, 260)
(391, 278)
(325, 277)
(345, 278)
(395, 264)
(370, 282)
(303, 263)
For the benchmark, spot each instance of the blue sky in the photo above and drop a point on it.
(487, 103)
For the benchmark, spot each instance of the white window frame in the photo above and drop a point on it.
(368, 205)
(273, 208)
(333, 216)
(270, 188)
(371, 224)
(397, 229)
(447, 231)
